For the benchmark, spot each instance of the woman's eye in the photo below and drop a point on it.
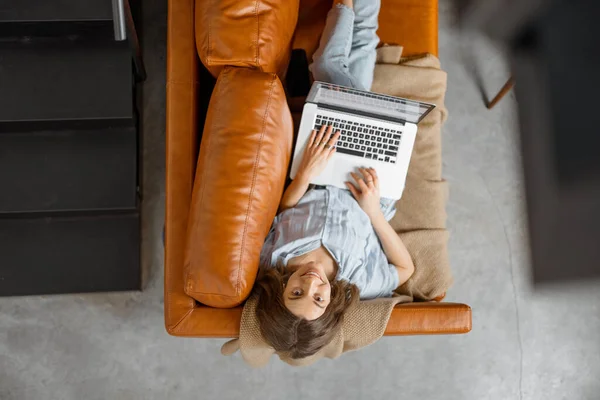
(297, 292)
(319, 299)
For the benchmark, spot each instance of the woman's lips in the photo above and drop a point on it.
(313, 272)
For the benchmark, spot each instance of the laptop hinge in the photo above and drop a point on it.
(361, 113)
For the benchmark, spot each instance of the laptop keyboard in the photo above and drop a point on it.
(363, 140)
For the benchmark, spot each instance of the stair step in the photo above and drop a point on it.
(68, 170)
(69, 254)
(47, 79)
(61, 10)
(69, 30)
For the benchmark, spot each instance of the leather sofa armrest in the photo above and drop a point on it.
(430, 318)
(181, 143)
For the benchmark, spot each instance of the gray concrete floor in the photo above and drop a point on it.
(525, 344)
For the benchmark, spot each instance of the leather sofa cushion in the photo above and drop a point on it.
(240, 175)
(245, 33)
(410, 23)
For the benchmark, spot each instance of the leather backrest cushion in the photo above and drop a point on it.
(240, 176)
(245, 33)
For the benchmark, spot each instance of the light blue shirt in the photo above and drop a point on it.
(331, 217)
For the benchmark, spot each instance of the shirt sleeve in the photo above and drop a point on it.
(381, 281)
(377, 279)
(266, 253)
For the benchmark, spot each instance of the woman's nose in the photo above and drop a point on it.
(312, 285)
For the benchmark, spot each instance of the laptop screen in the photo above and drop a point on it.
(369, 102)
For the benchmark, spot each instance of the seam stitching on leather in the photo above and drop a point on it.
(214, 294)
(257, 31)
(420, 309)
(209, 52)
(425, 331)
(262, 135)
(191, 140)
(421, 330)
(193, 34)
(167, 289)
(192, 84)
(174, 327)
(231, 63)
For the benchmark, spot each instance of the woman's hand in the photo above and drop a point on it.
(320, 148)
(367, 192)
(368, 197)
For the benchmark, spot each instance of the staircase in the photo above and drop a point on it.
(69, 159)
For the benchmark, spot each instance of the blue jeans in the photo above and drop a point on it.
(346, 55)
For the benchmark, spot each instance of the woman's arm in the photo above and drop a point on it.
(367, 196)
(293, 193)
(394, 248)
(320, 148)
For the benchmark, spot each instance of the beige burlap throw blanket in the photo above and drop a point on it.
(420, 220)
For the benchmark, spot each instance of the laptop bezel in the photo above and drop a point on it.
(315, 87)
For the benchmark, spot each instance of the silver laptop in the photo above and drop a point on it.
(376, 131)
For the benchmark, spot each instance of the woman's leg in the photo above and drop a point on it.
(330, 61)
(346, 54)
(364, 41)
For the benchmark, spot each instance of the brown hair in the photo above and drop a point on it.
(292, 335)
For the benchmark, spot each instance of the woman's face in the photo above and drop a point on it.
(308, 291)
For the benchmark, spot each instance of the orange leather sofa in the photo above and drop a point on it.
(217, 218)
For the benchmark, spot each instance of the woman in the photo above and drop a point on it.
(328, 246)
